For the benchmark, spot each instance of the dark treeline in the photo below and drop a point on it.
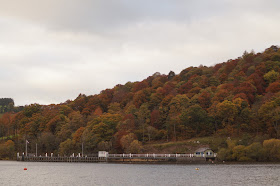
(6, 101)
(233, 98)
(7, 105)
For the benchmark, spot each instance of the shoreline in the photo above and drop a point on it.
(158, 162)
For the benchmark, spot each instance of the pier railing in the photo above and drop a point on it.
(104, 157)
(149, 155)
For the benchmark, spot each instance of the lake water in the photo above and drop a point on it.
(12, 173)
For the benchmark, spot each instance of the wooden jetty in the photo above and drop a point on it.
(60, 159)
(103, 156)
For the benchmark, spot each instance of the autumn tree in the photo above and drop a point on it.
(243, 114)
(272, 149)
(7, 150)
(176, 106)
(47, 142)
(204, 99)
(135, 147)
(114, 108)
(271, 76)
(126, 142)
(143, 116)
(273, 87)
(226, 112)
(67, 147)
(156, 119)
(195, 119)
(141, 97)
(270, 112)
(78, 135)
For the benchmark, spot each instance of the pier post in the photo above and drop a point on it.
(26, 147)
(82, 149)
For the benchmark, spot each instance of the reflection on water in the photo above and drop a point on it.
(12, 173)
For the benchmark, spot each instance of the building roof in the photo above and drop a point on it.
(202, 149)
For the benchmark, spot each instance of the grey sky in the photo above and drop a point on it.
(51, 51)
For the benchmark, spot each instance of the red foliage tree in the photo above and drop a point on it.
(204, 99)
(273, 87)
(141, 97)
(155, 119)
(169, 88)
(185, 88)
(248, 89)
(242, 96)
(140, 85)
(258, 82)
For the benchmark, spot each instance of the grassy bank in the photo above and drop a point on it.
(187, 146)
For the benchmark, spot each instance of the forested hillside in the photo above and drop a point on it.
(230, 99)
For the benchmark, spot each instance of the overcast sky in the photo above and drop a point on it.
(52, 50)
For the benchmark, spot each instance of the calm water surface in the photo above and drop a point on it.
(12, 173)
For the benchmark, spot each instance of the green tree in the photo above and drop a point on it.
(270, 112)
(255, 151)
(143, 116)
(47, 142)
(238, 152)
(195, 118)
(272, 149)
(227, 111)
(31, 109)
(176, 107)
(114, 108)
(225, 154)
(271, 76)
(243, 114)
(67, 147)
(135, 147)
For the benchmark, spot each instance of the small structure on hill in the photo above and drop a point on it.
(205, 152)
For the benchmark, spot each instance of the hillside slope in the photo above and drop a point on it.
(233, 98)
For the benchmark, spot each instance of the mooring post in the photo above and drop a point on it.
(26, 147)
(82, 149)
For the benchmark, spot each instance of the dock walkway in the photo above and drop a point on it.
(118, 158)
